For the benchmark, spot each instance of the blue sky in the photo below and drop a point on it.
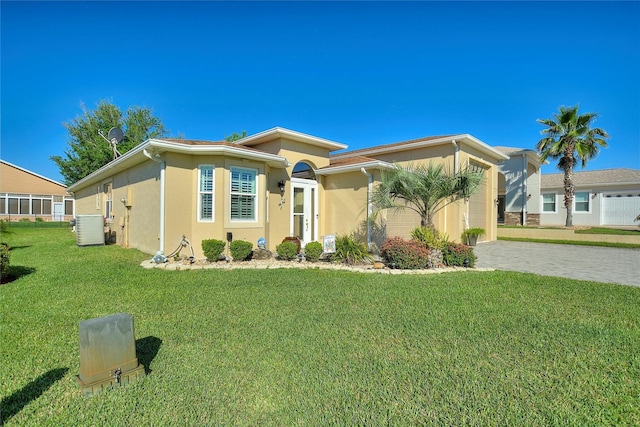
(359, 73)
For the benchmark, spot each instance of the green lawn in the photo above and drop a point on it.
(606, 230)
(573, 242)
(315, 347)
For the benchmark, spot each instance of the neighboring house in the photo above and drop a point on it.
(274, 184)
(519, 187)
(602, 197)
(25, 194)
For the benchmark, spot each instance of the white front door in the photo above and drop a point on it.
(304, 210)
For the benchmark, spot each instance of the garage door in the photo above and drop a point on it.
(620, 209)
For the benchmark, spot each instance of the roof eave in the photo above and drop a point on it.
(276, 132)
(158, 146)
(483, 147)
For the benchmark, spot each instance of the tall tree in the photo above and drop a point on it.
(236, 136)
(570, 138)
(424, 189)
(87, 151)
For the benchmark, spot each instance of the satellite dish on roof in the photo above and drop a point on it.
(115, 134)
(113, 138)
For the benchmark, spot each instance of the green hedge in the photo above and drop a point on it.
(212, 248)
(240, 250)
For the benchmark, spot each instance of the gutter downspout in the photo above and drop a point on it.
(369, 205)
(524, 189)
(156, 158)
(456, 169)
(456, 159)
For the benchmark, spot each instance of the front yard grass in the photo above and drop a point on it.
(315, 347)
(573, 242)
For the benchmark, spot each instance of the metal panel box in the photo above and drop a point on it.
(108, 353)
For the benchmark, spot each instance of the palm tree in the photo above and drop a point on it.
(424, 189)
(570, 138)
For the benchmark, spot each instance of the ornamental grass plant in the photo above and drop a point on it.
(314, 347)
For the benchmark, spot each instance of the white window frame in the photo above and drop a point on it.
(555, 202)
(202, 192)
(575, 202)
(108, 200)
(239, 192)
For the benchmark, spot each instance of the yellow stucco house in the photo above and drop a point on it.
(273, 184)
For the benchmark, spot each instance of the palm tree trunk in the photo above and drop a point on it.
(569, 190)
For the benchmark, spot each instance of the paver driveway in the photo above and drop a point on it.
(599, 264)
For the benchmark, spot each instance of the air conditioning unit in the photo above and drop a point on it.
(89, 230)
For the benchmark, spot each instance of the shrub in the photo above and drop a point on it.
(4, 259)
(455, 254)
(287, 251)
(240, 250)
(349, 251)
(38, 219)
(429, 237)
(212, 248)
(25, 220)
(405, 254)
(312, 251)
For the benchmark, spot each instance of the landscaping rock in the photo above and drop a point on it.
(261, 254)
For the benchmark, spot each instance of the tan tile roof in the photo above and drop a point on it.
(350, 161)
(600, 177)
(394, 144)
(193, 142)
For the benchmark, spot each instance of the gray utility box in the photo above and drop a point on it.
(108, 353)
(89, 230)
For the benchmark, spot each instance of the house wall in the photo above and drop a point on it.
(596, 196)
(520, 191)
(479, 211)
(138, 223)
(344, 210)
(274, 218)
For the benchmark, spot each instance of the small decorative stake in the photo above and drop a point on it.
(107, 353)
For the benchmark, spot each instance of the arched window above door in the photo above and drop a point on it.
(303, 170)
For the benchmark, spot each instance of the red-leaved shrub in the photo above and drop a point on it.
(404, 254)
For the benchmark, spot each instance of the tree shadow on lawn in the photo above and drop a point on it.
(16, 272)
(13, 404)
(146, 349)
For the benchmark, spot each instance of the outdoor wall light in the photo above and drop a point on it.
(124, 201)
(496, 201)
(281, 187)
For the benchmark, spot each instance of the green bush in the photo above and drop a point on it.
(287, 251)
(25, 220)
(240, 250)
(430, 238)
(349, 251)
(38, 219)
(212, 248)
(455, 254)
(4, 259)
(312, 251)
(405, 254)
